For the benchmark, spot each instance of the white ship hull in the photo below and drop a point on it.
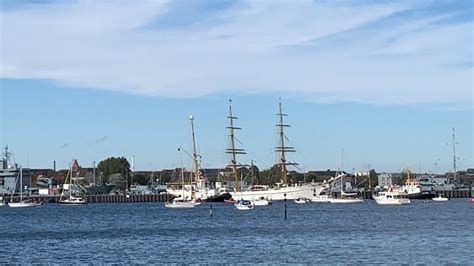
(261, 202)
(440, 199)
(343, 201)
(290, 193)
(180, 204)
(321, 199)
(21, 204)
(384, 201)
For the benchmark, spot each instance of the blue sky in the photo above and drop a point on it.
(385, 80)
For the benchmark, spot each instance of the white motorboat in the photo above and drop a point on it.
(261, 202)
(346, 200)
(22, 203)
(244, 205)
(440, 198)
(321, 199)
(179, 203)
(391, 197)
(301, 200)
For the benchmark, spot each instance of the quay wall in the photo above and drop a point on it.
(167, 197)
(103, 198)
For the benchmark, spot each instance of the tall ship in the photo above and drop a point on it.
(281, 190)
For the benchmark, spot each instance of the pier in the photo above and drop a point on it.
(104, 198)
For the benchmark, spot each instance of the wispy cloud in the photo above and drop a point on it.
(364, 51)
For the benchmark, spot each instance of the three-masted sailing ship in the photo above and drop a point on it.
(281, 190)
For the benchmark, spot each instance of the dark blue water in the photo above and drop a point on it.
(424, 232)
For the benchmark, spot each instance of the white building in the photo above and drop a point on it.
(385, 180)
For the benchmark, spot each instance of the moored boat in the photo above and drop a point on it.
(321, 199)
(68, 196)
(301, 200)
(345, 197)
(22, 203)
(244, 205)
(261, 202)
(391, 197)
(346, 200)
(440, 198)
(180, 203)
(72, 200)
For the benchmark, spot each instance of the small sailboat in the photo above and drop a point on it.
(440, 198)
(22, 203)
(181, 202)
(244, 205)
(68, 198)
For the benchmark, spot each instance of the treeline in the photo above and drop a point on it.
(116, 170)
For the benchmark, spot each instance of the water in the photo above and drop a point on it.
(424, 232)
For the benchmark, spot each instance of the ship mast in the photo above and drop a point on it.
(454, 155)
(233, 150)
(196, 156)
(282, 149)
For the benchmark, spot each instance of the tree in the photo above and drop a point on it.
(114, 165)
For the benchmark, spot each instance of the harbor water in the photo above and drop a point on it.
(423, 232)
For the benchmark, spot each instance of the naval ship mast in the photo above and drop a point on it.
(282, 149)
(233, 150)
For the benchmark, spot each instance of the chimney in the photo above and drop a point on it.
(54, 166)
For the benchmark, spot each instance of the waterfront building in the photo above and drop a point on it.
(385, 180)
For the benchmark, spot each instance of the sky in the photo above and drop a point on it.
(365, 83)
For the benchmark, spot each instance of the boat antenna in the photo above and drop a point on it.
(233, 150)
(282, 149)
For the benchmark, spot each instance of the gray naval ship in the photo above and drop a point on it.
(9, 173)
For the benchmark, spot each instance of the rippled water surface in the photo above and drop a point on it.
(423, 232)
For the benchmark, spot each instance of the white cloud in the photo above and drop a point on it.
(330, 51)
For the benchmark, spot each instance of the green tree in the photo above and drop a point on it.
(114, 165)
